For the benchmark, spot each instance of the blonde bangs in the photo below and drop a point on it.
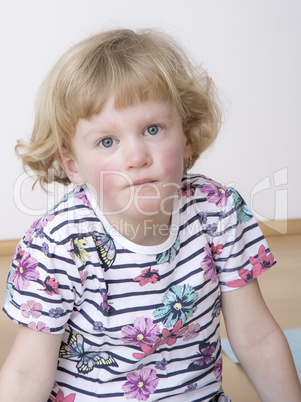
(127, 71)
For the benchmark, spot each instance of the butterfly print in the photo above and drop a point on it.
(217, 308)
(207, 355)
(106, 248)
(78, 251)
(86, 360)
(104, 305)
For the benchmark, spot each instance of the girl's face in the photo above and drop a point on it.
(131, 158)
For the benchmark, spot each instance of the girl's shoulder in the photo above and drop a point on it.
(196, 184)
(72, 201)
(196, 188)
(68, 216)
(206, 198)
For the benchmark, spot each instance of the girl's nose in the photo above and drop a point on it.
(137, 155)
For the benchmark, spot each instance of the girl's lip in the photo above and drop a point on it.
(143, 181)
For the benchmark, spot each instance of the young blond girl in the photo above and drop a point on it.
(118, 289)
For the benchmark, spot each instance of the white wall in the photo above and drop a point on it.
(250, 47)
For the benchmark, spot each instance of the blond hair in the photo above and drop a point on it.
(136, 66)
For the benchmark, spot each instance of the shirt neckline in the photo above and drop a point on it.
(128, 244)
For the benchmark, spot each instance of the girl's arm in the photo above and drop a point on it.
(29, 370)
(260, 345)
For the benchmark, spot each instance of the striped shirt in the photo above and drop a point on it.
(138, 322)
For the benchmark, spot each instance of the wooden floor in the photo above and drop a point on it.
(281, 287)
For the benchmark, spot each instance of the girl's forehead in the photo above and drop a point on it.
(148, 106)
(150, 111)
(122, 90)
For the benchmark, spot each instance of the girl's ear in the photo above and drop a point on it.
(188, 150)
(68, 164)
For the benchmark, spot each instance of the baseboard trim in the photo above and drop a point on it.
(7, 247)
(269, 228)
(281, 227)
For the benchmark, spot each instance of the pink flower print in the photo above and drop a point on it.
(216, 249)
(208, 265)
(146, 349)
(192, 332)
(148, 275)
(30, 232)
(40, 326)
(61, 398)
(141, 384)
(246, 276)
(83, 276)
(260, 264)
(169, 337)
(47, 219)
(216, 193)
(143, 331)
(218, 369)
(18, 253)
(37, 228)
(31, 308)
(187, 189)
(25, 272)
(82, 196)
(263, 262)
(51, 286)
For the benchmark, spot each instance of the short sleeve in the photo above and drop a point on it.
(43, 283)
(240, 251)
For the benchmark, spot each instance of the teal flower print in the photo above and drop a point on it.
(243, 212)
(9, 286)
(179, 303)
(169, 255)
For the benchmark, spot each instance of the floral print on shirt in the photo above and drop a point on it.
(179, 303)
(138, 341)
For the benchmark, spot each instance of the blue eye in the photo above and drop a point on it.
(107, 142)
(152, 130)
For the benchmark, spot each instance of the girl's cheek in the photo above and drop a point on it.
(111, 179)
(172, 160)
(102, 172)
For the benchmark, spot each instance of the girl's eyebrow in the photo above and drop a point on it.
(99, 126)
(96, 127)
(96, 132)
